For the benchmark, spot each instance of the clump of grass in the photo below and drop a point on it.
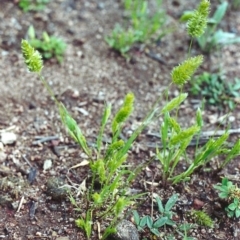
(32, 5)
(141, 28)
(107, 162)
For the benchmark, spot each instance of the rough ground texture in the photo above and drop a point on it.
(91, 75)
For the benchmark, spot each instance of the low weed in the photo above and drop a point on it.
(231, 193)
(216, 90)
(48, 46)
(141, 28)
(165, 217)
(213, 38)
(32, 5)
(106, 197)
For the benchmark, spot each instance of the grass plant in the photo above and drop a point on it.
(32, 5)
(141, 28)
(214, 38)
(107, 162)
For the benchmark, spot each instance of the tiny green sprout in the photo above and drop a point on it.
(32, 57)
(32, 5)
(182, 73)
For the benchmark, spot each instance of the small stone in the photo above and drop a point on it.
(231, 118)
(39, 234)
(75, 94)
(3, 155)
(8, 138)
(197, 204)
(47, 164)
(126, 230)
(56, 188)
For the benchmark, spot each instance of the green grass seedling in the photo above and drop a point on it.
(32, 5)
(48, 46)
(142, 26)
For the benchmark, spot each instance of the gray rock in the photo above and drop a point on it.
(56, 188)
(126, 230)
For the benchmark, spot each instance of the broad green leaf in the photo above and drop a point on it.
(220, 12)
(171, 202)
(160, 222)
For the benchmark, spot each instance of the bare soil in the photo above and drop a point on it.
(91, 75)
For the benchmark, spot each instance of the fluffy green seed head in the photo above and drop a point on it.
(33, 58)
(198, 21)
(185, 134)
(182, 73)
(204, 7)
(124, 111)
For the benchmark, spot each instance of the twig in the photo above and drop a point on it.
(41, 139)
(205, 134)
(204, 137)
(20, 204)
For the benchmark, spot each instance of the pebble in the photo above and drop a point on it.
(47, 164)
(8, 138)
(55, 188)
(3, 155)
(126, 230)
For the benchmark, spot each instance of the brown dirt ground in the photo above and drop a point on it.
(90, 75)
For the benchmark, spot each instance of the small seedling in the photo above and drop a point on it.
(165, 217)
(32, 5)
(142, 27)
(121, 39)
(231, 193)
(216, 90)
(48, 46)
(183, 229)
